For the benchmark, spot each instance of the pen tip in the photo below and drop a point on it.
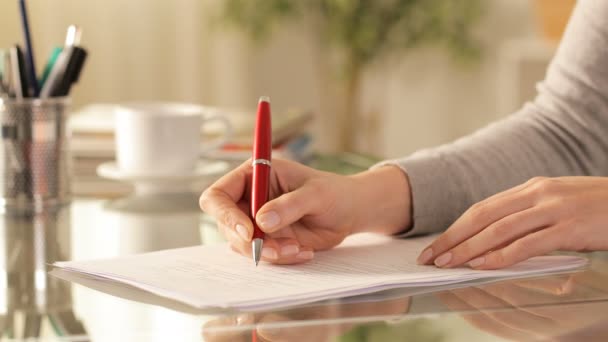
(256, 250)
(264, 99)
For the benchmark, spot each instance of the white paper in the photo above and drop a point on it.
(215, 276)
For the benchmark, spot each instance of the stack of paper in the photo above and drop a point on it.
(214, 276)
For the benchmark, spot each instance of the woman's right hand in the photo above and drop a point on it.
(308, 210)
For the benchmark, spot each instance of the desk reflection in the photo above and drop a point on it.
(563, 308)
(153, 222)
(322, 322)
(112, 312)
(30, 242)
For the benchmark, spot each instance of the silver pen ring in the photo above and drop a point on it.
(261, 161)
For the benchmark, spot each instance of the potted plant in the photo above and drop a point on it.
(363, 31)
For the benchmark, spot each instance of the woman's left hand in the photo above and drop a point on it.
(535, 218)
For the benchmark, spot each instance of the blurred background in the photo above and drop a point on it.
(381, 78)
(471, 63)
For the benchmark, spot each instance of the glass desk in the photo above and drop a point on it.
(36, 304)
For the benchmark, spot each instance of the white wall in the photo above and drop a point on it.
(154, 49)
(429, 99)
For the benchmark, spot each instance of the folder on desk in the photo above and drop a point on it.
(216, 277)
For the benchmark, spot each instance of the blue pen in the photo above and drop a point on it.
(33, 87)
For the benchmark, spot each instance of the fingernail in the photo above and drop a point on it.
(268, 220)
(305, 255)
(477, 262)
(443, 259)
(243, 232)
(269, 253)
(289, 250)
(425, 256)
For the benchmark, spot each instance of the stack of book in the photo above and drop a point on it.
(92, 143)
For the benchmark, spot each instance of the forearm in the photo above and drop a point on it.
(563, 132)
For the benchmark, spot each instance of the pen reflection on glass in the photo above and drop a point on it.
(301, 323)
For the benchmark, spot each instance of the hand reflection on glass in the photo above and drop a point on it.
(567, 307)
(303, 325)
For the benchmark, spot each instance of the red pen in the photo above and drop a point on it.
(260, 179)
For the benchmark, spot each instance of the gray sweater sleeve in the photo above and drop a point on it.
(564, 131)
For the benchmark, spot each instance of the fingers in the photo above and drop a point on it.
(477, 218)
(518, 319)
(285, 251)
(220, 201)
(273, 327)
(517, 296)
(489, 315)
(497, 234)
(233, 184)
(282, 251)
(557, 285)
(226, 329)
(538, 243)
(290, 207)
(480, 320)
(393, 307)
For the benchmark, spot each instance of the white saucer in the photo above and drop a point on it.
(157, 183)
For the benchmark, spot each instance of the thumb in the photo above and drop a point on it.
(288, 208)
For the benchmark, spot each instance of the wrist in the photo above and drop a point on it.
(383, 201)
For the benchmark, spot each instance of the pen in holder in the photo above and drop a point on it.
(34, 155)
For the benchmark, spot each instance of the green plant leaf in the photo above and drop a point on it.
(364, 30)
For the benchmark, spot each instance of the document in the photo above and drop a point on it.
(216, 277)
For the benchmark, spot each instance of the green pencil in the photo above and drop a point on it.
(49, 64)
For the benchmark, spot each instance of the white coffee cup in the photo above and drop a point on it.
(163, 138)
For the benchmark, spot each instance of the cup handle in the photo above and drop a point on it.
(218, 142)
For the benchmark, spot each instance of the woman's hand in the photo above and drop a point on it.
(309, 210)
(540, 216)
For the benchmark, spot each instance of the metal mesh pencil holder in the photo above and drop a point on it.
(34, 160)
